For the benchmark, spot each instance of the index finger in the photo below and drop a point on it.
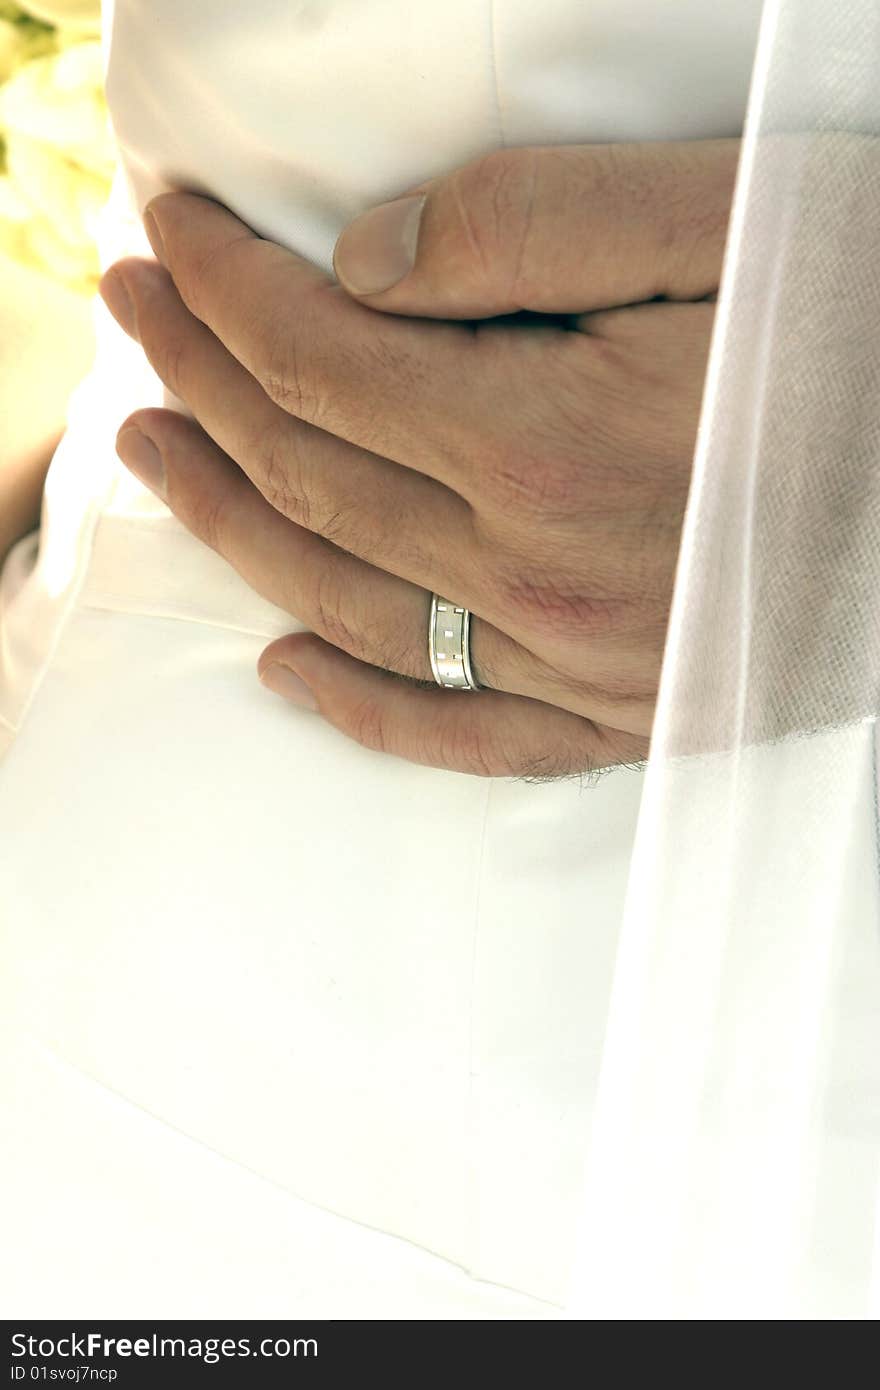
(381, 382)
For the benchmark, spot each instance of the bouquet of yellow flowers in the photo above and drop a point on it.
(57, 156)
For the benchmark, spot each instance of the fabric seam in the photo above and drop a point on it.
(493, 59)
(65, 1062)
(136, 612)
(474, 1169)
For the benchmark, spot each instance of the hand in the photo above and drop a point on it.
(350, 453)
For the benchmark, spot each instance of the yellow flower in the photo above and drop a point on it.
(83, 16)
(21, 38)
(59, 152)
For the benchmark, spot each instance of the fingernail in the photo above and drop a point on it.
(143, 458)
(287, 683)
(154, 237)
(118, 300)
(378, 248)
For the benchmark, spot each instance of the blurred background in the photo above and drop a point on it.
(57, 164)
(56, 147)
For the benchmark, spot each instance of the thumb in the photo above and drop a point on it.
(557, 229)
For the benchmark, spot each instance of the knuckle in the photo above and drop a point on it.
(336, 526)
(403, 378)
(284, 387)
(329, 604)
(167, 357)
(280, 476)
(366, 724)
(205, 516)
(493, 196)
(288, 373)
(292, 483)
(197, 281)
(534, 482)
(463, 743)
(342, 523)
(560, 607)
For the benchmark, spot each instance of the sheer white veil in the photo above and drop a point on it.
(734, 1160)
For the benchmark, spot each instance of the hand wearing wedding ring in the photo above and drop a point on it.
(495, 408)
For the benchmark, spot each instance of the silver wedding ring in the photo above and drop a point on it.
(449, 634)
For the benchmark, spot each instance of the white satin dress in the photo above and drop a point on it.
(255, 1060)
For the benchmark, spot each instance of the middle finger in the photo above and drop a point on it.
(392, 516)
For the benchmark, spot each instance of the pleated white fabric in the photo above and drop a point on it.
(255, 1059)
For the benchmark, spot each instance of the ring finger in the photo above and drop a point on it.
(377, 618)
(372, 615)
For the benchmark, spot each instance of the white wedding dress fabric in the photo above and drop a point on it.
(255, 1062)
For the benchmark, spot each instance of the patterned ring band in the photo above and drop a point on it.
(449, 645)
